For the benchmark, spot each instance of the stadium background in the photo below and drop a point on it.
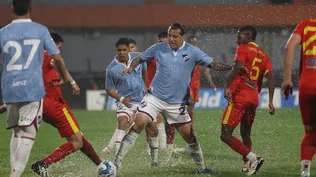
(91, 27)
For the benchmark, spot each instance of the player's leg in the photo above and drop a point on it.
(162, 137)
(24, 118)
(245, 132)
(150, 107)
(231, 118)
(153, 142)
(308, 147)
(178, 116)
(170, 133)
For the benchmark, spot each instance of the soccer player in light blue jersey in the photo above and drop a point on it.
(129, 91)
(22, 44)
(170, 91)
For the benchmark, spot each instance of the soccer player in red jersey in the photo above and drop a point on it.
(194, 95)
(57, 113)
(304, 34)
(242, 92)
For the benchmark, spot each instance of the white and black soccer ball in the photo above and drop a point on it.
(107, 169)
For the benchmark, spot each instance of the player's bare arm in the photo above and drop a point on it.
(145, 76)
(208, 77)
(136, 61)
(237, 68)
(74, 85)
(271, 84)
(291, 45)
(219, 66)
(126, 101)
(61, 67)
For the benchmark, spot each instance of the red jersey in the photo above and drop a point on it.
(50, 75)
(246, 87)
(195, 82)
(306, 29)
(151, 71)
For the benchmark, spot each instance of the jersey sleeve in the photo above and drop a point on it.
(109, 80)
(268, 67)
(241, 54)
(299, 30)
(49, 44)
(202, 58)
(149, 54)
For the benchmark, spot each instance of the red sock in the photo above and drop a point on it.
(307, 148)
(239, 147)
(88, 150)
(249, 146)
(60, 153)
(170, 131)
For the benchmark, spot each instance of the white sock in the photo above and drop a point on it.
(251, 157)
(112, 141)
(154, 145)
(196, 153)
(119, 136)
(162, 137)
(21, 156)
(126, 145)
(306, 165)
(13, 146)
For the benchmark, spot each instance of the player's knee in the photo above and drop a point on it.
(76, 140)
(225, 137)
(141, 121)
(29, 132)
(123, 123)
(152, 129)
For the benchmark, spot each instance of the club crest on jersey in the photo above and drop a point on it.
(143, 104)
(185, 57)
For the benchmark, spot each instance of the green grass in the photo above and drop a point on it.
(277, 139)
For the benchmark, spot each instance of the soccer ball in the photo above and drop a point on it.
(107, 169)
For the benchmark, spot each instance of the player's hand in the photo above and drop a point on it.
(227, 94)
(271, 108)
(75, 89)
(244, 70)
(127, 70)
(213, 86)
(287, 89)
(3, 109)
(127, 102)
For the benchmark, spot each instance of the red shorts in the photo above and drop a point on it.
(307, 106)
(237, 112)
(195, 93)
(57, 113)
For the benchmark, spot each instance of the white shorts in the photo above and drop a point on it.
(122, 110)
(24, 114)
(174, 113)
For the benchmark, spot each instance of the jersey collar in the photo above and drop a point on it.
(176, 52)
(252, 43)
(21, 20)
(128, 62)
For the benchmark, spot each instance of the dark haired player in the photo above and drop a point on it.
(169, 91)
(242, 92)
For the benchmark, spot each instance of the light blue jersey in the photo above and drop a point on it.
(22, 44)
(126, 85)
(174, 70)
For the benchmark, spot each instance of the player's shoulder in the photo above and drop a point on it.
(112, 66)
(134, 54)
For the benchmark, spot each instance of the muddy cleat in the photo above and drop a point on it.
(40, 168)
(305, 174)
(255, 166)
(245, 167)
(207, 171)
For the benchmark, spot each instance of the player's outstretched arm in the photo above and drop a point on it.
(136, 61)
(219, 66)
(289, 50)
(208, 77)
(271, 84)
(61, 67)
